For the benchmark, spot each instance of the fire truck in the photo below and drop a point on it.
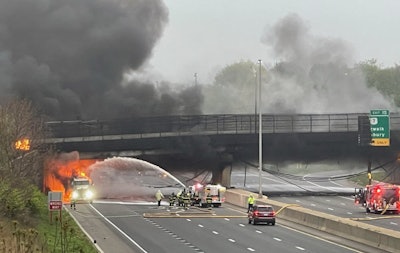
(200, 193)
(379, 197)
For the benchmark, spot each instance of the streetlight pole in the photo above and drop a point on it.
(260, 194)
(255, 99)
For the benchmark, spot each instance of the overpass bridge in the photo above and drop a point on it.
(216, 141)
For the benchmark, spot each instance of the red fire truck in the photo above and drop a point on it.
(379, 197)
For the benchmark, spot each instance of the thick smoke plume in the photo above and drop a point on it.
(70, 58)
(313, 74)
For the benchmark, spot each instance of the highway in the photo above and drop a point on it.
(140, 227)
(336, 199)
(144, 227)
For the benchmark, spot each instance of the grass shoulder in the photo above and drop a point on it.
(44, 232)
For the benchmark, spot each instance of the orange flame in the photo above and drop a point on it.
(58, 174)
(23, 144)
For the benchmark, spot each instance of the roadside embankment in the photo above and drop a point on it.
(370, 235)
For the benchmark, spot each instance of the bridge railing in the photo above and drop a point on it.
(213, 124)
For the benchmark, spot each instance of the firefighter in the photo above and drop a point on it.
(186, 199)
(159, 197)
(172, 199)
(208, 200)
(73, 204)
(250, 202)
(181, 197)
(194, 198)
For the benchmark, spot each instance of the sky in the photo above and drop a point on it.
(203, 36)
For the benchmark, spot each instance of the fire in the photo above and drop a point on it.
(23, 144)
(58, 174)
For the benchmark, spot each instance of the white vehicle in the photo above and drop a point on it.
(216, 192)
(82, 190)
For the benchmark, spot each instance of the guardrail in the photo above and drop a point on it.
(213, 124)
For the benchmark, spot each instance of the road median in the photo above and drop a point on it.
(367, 234)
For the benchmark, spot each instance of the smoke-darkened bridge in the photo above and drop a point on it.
(217, 141)
(303, 136)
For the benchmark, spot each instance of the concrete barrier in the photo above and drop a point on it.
(367, 234)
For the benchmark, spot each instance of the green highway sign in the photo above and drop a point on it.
(380, 127)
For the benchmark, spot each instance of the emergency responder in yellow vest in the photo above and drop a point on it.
(186, 199)
(172, 199)
(179, 198)
(208, 200)
(250, 202)
(159, 197)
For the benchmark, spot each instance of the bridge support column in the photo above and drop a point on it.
(222, 175)
(226, 176)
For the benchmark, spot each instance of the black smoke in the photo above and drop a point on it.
(70, 58)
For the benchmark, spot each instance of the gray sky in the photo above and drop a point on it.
(203, 36)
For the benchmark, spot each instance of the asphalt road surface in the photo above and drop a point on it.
(327, 196)
(144, 227)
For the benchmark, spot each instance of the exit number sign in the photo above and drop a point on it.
(380, 127)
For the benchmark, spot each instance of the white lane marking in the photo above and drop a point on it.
(200, 226)
(215, 232)
(277, 239)
(330, 208)
(238, 211)
(227, 219)
(188, 219)
(119, 230)
(393, 223)
(335, 183)
(305, 179)
(298, 201)
(84, 231)
(321, 239)
(300, 248)
(231, 240)
(313, 205)
(343, 204)
(250, 249)
(258, 231)
(327, 200)
(352, 199)
(242, 225)
(349, 213)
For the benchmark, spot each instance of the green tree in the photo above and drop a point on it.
(234, 89)
(386, 80)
